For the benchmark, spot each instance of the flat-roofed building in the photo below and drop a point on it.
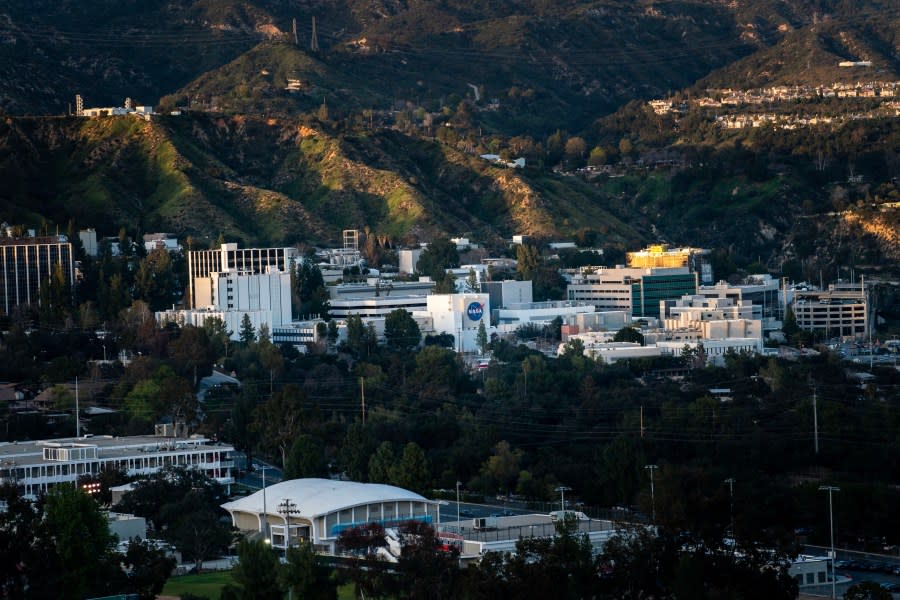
(376, 306)
(33, 467)
(761, 291)
(202, 263)
(26, 263)
(840, 311)
(661, 256)
(637, 291)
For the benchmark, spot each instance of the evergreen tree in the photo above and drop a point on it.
(247, 332)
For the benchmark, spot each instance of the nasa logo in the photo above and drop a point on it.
(474, 311)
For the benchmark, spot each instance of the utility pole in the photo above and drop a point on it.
(362, 394)
(287, 509)
(294, 31)
(652, 468)
(642, 421)
(830, 489)
(77, 420)
(314, 38)
(815, 421)
(730, 481)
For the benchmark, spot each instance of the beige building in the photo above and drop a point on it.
(841, 311)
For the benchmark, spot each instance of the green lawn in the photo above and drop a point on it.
(211, 584)
(203, 584)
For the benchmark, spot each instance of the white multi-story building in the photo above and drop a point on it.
(713, 318)
(636, 290)
(761, 291)
(376, 306)
(230, 258)
(33, 467)
(459, 315)
(264, 298)
(375, 287)
(512, 316)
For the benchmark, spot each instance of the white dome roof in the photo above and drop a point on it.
(317, 497)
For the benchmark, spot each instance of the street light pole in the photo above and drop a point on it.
(266, 530)
(830, 489)
(730, 482)
(458, 524)
(562, 495)
(652, 468)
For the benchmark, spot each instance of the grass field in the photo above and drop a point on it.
(211, 584)
(202, 584)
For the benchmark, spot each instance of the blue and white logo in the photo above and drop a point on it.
(475, 311)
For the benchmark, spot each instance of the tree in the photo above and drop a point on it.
(355, 452)
(528, 259)
(629, 334)
(54, 298)
(401, 331)
(198, 533)
(280, 420)
(82, 540)
(192, 352)
(502, 468)
(438, 256)
(306, 575)
(472, 284)
(867, 590)
(247, 332)
(575, 149)
(148, 569)
(597, 157)
(306, 459)
(412, 472)
(310, 287)
(368, 571)
(244, 434)
(269, 356)
(155, 281)
(167, 495)
(219, 336)
(481, 338)
(256, 573)
(425, 570)
(445, 284)
(381, 463)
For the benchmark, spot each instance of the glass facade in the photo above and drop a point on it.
(26, 264)
(650, 290)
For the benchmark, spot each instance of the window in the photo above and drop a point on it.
(810, 578)
(822, 577)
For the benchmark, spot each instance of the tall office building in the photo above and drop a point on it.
(26, 263)
(637, 291)
(202, 263)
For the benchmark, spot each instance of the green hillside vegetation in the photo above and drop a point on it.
(276, 181)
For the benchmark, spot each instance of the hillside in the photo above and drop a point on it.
(382, 125)
(271, 181)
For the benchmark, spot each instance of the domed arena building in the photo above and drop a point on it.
(318, 510)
